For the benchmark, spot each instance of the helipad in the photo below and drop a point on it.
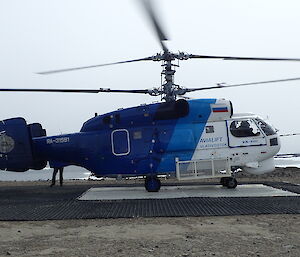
(41, 202)
(168, 192)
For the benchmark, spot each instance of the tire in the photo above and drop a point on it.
(152, 184)
(231, 183)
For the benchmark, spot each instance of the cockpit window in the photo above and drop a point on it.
(244, 128)
(266, 128)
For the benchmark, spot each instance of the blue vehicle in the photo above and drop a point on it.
(189, 139)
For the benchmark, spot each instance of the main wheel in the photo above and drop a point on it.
(152, 184)
(231, 183)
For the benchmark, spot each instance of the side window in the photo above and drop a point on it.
(244, 128)
(120, 142)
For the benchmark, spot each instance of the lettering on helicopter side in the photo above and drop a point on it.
(249, 141)
(58, 140)
(211, 139)
(212, 142)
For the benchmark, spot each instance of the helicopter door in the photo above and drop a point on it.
(244, 133)
(120, 142)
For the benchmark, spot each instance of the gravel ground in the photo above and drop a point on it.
(259, 235)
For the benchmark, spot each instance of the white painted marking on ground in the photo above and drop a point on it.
(167, 192)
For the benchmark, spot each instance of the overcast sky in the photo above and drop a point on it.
(40, 35)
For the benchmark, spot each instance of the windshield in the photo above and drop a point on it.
(266, 128)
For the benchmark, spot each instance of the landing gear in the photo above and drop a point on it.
(152, 184)
(228, 182)
(223, 181)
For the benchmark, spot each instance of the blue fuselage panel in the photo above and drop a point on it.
(135, 141)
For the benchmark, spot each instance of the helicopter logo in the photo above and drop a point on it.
(7, 143)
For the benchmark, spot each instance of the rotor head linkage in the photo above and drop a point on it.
(169, 89)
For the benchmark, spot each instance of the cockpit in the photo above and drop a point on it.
(265, 127)
(251, 128)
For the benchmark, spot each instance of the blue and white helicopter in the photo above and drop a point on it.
(189, 139)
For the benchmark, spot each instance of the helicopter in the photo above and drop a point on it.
(189, 139)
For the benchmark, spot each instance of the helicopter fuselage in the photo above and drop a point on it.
(146, 140)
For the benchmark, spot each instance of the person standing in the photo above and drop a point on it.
(55, 171)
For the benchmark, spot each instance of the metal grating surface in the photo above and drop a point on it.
(43, 203)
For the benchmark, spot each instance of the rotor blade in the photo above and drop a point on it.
(237, 58)
(223, 85)
(101, 90)
(289, 135)
(93, 66)
(153, 18)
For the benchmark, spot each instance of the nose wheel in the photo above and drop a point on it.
(228, 182)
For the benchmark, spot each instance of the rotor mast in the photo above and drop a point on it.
(169, 90)
(168, 87)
